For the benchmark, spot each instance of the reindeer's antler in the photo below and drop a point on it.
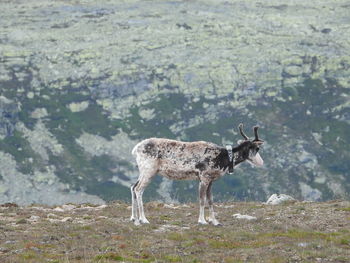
(256, 133)
(240, 127)
(257, 140)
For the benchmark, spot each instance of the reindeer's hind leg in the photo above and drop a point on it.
(139, 189)
(134, 217)
(148, 169)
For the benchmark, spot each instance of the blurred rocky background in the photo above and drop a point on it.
(81, 82)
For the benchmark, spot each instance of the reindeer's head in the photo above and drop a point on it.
(248, 150)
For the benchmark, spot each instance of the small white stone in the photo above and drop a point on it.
(277, 199)
(30, 95)
(58, 209)
(34, 219)
(68, 207)
(50, 215)
(101, 207)
(303, 244)
(247, 217)
(67, 219)
(52, 220)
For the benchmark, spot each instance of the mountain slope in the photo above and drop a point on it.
(82, 83)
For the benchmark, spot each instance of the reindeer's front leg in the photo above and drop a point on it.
(212, 218)
(203, 186)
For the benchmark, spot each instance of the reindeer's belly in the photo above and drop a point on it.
(184, 170)
(176, 171)
(179, 175)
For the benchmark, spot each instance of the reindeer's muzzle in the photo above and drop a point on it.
(256, 160)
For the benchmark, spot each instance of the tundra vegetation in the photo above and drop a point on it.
(82, 82)
(292, 232)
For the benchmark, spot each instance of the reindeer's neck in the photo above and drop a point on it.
(238, 153)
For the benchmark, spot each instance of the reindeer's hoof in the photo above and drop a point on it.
(144, 221)
(137, 222)
(215, 222)
(202, 222)
(132, 219)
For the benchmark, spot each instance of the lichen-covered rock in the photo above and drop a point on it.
(78, 106)
(39, 113)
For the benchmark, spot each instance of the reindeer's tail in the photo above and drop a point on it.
(134, 150)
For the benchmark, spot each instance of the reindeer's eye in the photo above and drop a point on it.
(257, 149)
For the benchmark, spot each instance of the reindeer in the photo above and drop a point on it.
(177, 160)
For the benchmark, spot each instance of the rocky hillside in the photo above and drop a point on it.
(82, 82)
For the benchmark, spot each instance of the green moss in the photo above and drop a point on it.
(21, 150)
(28, 256)
(309, 109)
(74, 166)
(172, 258)
(230, 244)
(109, 256)
(346, 209)
(177, 236)
(344, 241)
(92, 120)
(302, 235)
(164, 107)
(21, 221)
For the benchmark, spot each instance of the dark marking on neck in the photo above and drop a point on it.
(221, 161)
(242, 152)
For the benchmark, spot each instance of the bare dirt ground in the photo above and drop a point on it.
(294, 232)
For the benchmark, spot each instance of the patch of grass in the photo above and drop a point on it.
(229, 244)
(21, 221)
(344, 241)
(109, 256)
(277, 259)
(172, 258)
(176, 223)
(177, 236)
(21, 150)
(342, 259)
(300, 208)
(299, 234)
(232, 260)
(165, 217)
(28, 255)
(346, 209)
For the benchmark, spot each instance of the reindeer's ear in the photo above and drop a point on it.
(239, 142)
(258, 142)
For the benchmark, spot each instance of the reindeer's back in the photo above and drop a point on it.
(161, 148)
